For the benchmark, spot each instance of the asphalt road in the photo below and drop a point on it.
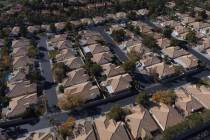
(50, 91)
(119, 53)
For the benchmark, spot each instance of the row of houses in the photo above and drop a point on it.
(22, 92)
(141, 123)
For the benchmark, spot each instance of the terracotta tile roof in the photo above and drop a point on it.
(140, 119)
(201, 94)
(18, 76)
(95, 48)
(65, 44)
(20, 51)
(75, 77)
(186, 102)
(21, 88)
(74, 63)
(163, 42)
(199, 25)
(117, 83)
(22, 61)
(86, 91)
(175, 52)
(187, 61)
(165, 116)
(19, 104)
(150, 60)
(102, 58)
(20, 43)
(65, 54)
(110, 130)
(111, 70)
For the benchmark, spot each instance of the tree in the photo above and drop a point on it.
(69, 26)
(142, 99)
(116, 113)
(67, 127)
(59, 71)
(191, 37)
(132, 15)
(119, 35)
(129, 65)
(33, 52)
(68, 102)
(23, 30)
(167, 30)
(52, 28)
(164, 96)
(202, 15)
(150, 42)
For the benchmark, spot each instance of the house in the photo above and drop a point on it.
(102, 58)
(15, 30)
(85, 91)
(111, 70)
(89, 40)
(110, 130)
(187, 20)
(205, 43)
(163, 42)
(94, 49)
(18, 105)
(57, 38)
(74, 62)
(121, 15)
(110, 17)
(18, 76)
(85, 131)
(98, 20)
(20, 51)
(75, 77)
(60, 26)
(179, 30)
(140, 123)
(186, 103)
(201, 94)
(150, 60)
(187, 61)
(154, 35)
(161, 69)
(65, 44)
(20, 43)
(22, 62)
(44, 134)
(171, 23)
(198, 26)
(131, 43)
(142, 12)
(21, 88)
(86, 21)
(33, 29)
(65, 54)
(144, 28)
(117, 83)
(45, 27)
(165, 116)
(175, 52)
(76, 23)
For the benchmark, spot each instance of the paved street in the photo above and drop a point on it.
(120, 54)
(50, 91)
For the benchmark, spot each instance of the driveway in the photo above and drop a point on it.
(50, 90)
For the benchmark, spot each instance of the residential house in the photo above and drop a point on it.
(20, 51)
(186, 103)
(200, 26)
(162, 70)
(165, 116)
(175, 52)
(74, 62)
(76, 23)
(21, 88)
(150, 60)
(102, 58)
(110, 17)
(179, 31)
(110, 130)
(15, 30)
(60, 26)
(98, 20)
(18, 76)
(86, 21)
(85, 91)
(22, 62)
(117, 84)
(131, 43)
(90, 40)
(65, 54)
(94, 49)
(171, 23)
(142, 12)
(163, 42)
(121, 15)
(187, 20)
(65, 44)
(140, 123)
(111, 70)
(187, 61)
(144, 28)
(201, 94)
(20, 43)
(33, 29)
(75, 77)
(18, 105)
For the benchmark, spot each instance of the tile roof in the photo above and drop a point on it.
(111, 70)
(86, 91)
(165, 116)
(117, 83)
(65, 54)
(175, 52)
(102, 58)
(74, 63)
(75, 77)
(140, 119)
(95, 48)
